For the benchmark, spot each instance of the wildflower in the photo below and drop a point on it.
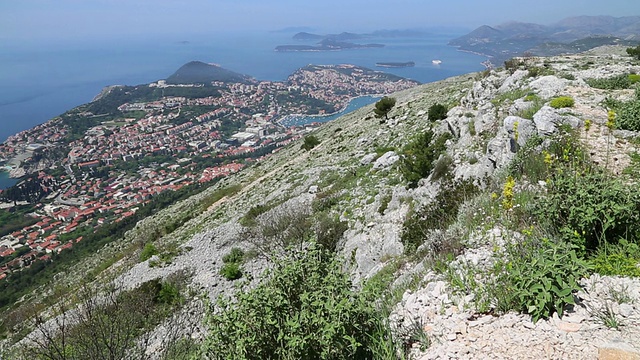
(611, 119)
(547, 158)
(587, 125)
(516, 134)
(507, 193)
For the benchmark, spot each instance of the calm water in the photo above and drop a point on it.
(6, 181)
(41, 80)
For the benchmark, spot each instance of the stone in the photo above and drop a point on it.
(525, 127)
(568, 327)
(313, 189)
(625, 310)
(548, 86)
(618, 351)
(387, 159)
(368, 159)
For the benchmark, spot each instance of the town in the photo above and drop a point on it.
(86, 169)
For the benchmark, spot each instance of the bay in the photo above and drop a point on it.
(5, 181)
(39, 81)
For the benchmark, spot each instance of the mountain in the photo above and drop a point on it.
(307, 36)
(515, 38)
(476, 235)
(197, 72)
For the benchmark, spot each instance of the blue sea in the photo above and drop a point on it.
(40, 80)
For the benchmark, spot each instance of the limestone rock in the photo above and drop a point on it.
(618, 351)
(368, 159)
(548, 86)
(387, 159)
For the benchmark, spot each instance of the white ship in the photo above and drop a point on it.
(436, 62)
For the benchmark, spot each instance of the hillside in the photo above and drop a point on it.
(508, 229)
(568, 36)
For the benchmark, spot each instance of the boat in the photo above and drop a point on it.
(436, 62)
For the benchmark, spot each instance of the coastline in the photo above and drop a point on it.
(6, 181)
(342, 110)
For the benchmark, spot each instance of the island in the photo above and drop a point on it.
(396, 64)
(327, 45)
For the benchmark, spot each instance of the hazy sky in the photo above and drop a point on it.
(85, 18)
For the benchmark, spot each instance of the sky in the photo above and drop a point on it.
(61, 19)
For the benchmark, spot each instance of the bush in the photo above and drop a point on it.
(419, 155)
(538, 279)
(236, 255)
(634, 52)
(231, 271)
(437, 112)
(562, 102)
(618, 260)
(310, 141)
(303, 308)
(148, 251)
(628, 114)
(590, 209)
(611, 83)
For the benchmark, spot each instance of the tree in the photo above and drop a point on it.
(437, 112)
(310, 141)
(635, 52)
(383, 106)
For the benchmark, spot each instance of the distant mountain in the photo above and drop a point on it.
(515, 38)
(197, 72)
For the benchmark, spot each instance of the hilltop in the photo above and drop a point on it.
(197, 72)
(482, 231)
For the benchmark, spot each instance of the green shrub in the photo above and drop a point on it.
(232, 267)
(589, 209)
(303, 308)
(310, 141)
(621, 259)
(231, 271)
(236, 255)
(611, 83)
(538, 279)
(419, 155)
(628, 113)
(148, 251)
(437, 112)
(634, 52)
(634, 78)
(562, 102)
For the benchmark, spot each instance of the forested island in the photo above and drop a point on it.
(396, 64)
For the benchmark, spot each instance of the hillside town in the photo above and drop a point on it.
(107, 172)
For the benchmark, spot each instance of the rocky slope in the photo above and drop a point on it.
(356, 165)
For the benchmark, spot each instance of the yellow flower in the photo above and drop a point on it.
(547, 158)
(507, 193)
(587, 125)
(611, 119)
